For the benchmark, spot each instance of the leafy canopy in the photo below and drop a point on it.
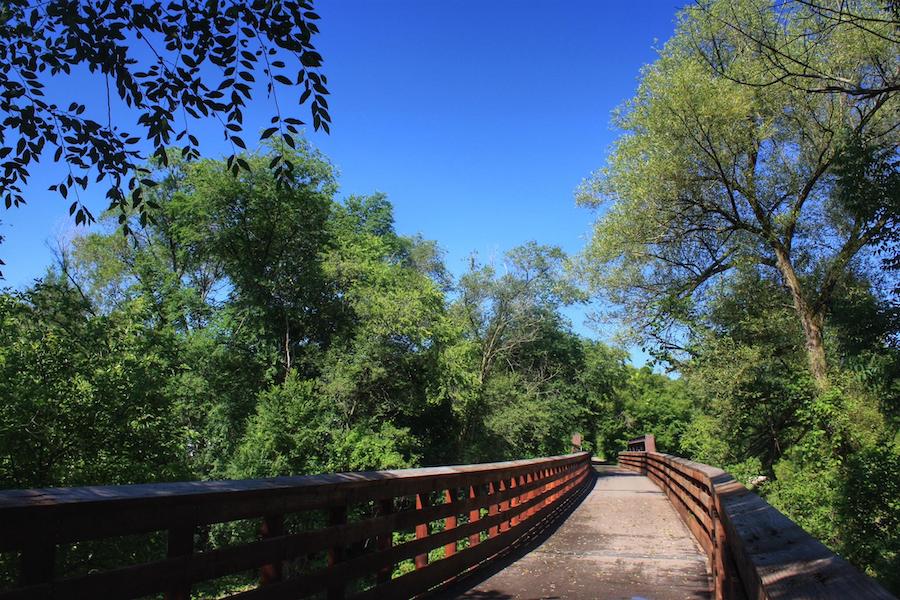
(713, 176)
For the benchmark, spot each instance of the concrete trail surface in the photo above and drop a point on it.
(622, 541)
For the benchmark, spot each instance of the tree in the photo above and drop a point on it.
(795, 43)
(713, 175)
(71, 378)
(843, 48)
(263, 284)
(503, 312)
(261, 243)
(654, 403)
(391, 328)
(171, 62)
(604, 377)
(500, 312)
(270, 240)
(748, 370)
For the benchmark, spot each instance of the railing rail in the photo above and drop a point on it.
(645, 443)
(471, 511)
(754, 550)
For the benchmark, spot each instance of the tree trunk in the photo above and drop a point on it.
(811, 320)
(815, 346)
(287, 345)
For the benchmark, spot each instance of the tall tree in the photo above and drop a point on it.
(270, 240)
(505, 311)
(712, 174)
(501, 310)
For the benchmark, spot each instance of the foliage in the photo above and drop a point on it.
(659, 405)
(713, 177)
(508, 368)
(84, 395)
(261, 330)
(296, 430)
(158, 58)
(801, 57)
(839, 482)
(870, 511)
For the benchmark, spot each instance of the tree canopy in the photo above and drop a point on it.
(795, 43)
(714, 175)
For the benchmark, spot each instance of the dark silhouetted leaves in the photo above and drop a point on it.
(42, 40)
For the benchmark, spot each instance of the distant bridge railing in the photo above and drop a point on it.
(471, 511)
(754, 550)
(645, 443)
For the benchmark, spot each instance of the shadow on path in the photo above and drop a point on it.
(461, 587)
(615, 537)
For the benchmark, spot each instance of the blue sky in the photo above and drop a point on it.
(477, 119)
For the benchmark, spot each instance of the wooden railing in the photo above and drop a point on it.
(754, 551)
(645, 443)
(472, 512)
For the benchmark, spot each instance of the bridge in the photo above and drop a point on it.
(653, 526)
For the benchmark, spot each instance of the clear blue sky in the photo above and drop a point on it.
(477, 119)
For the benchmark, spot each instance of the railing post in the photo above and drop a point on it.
(515, 500)
(180, 543)
(336, 516)
(385, 540)
(37, 561)
(493, 509)
(545, 475)
(474, 515)
(421, 530)
(523, 497)
(272, 526)
(554, 494)
(649, 443)
(529, 479)
(563, 483)
(504, 508)
(548, 487)
(449, 523)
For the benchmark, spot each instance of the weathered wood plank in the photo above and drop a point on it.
(756, 552)
(180, 508)
(79, 514)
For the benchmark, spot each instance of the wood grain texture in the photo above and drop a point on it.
(755, 551)
(357, 549)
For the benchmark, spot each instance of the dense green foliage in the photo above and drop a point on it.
(259, 329)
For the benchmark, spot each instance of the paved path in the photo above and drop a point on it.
(624, 540)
